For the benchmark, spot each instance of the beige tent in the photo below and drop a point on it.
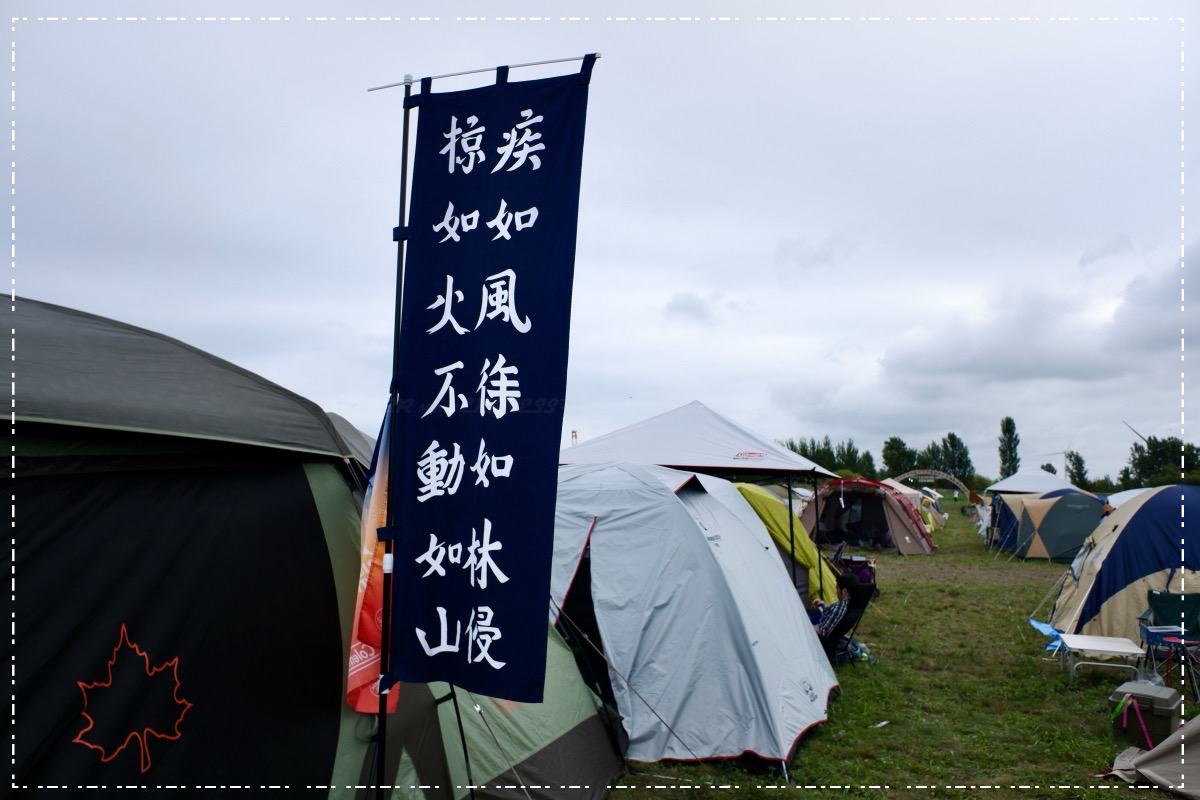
(934, 519)
(1171, 765)
(1134, 549)
(866, 513)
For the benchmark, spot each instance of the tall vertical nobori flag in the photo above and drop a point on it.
(482, 362)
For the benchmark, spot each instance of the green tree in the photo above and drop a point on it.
(1010, 462)
(843, 458)
(845, 455)
(898, 457)
(1160, 462)
(930, 457)
(820, 453)
(956, 458)
(1048, 467)
(866, 466)
(1076, 470)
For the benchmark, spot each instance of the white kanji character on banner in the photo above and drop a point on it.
(479, 559)
(454, 400)
(520, 144)
(505, 218)
(500, 300)
(470, 141)
(433, 557)
(498, 466)
(446, 301)
(445, 646)
(480, 636)
(439, 472)
(500, 394)
(451, 222)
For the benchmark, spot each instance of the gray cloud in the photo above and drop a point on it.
(690, 306)
(1115, 246)
(823, 252)
(889, 219)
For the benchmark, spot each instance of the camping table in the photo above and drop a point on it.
(1077, 644)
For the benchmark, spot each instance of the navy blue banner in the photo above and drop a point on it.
(482, 376)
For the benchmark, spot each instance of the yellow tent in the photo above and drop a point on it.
(774, 514)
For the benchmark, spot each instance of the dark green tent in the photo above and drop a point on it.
(187, 556)
(186, 559)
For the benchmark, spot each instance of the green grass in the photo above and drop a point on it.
(970, 697)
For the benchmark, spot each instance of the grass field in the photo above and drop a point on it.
(972, 703)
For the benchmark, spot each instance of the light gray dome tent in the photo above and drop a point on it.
(709, 653)
(187, 556)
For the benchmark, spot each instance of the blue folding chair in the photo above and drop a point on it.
(1170, 630)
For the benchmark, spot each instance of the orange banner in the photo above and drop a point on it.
(362, 685)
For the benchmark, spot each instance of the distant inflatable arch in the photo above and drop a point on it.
(934, 473)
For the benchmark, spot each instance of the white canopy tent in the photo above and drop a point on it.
(693, 437)
(1034, 481)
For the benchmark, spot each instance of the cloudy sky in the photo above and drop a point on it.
(848, 219)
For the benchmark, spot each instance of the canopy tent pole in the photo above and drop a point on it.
(814, 534)
(791, 530)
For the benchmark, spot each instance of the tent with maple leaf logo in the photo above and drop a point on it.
(187, 557)
(187, 537)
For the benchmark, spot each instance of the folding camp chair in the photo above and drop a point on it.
(837, 643)
(1170, 631)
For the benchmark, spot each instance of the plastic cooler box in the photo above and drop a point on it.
(1159, 706)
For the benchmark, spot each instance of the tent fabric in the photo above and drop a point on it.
(1006, 520)
(814, 578)
(1136, 548)
(867, 513)
(178, 521)
(1034, 481)
(914, 495)
(709, 651)
(360, 445)
(1054, 528)
(81, 369)
(1173, 764)
(539, 748)
(114, 565)
(1115, 500)
(693, 437)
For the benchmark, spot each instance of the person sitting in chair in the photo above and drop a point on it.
(832, 614)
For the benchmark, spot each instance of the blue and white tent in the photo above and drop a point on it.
(1140, 546)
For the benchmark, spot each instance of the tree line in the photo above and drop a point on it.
(1152, 462)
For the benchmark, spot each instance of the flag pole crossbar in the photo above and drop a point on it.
(408, 79)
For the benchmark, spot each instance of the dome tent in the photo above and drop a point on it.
(1054, 526)
(675, 578)
(1136, 548)
(187, 553)
(170, 504)
(867, 513)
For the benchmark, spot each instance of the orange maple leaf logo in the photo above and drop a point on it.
(143, 734)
